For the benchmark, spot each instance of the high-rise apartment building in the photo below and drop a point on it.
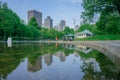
(76, 27)
(95, 17)
(37, 15)
(48, 22)
(62, 25)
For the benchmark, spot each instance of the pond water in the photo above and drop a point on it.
(38, 61)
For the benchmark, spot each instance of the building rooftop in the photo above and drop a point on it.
(85, 32)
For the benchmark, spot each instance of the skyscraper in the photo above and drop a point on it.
(95, 17)
(76, 27)
(48, 22)
(62, 25)
(37, 15)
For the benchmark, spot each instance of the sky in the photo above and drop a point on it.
(57, 9)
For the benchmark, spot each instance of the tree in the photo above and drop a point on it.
(113, 26)
(50, 33)
(109, 11)
(92, 28)
(9, 22)
(12, 26)
(100, 6)
(67, 31)
(109, 24)
(33, 22)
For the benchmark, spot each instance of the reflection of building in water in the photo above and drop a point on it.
(83, 49)
(2, 77)
(48, 59)
(68, 46)
(37, 66)
(76, 54)
(95, 64)
(61, 56)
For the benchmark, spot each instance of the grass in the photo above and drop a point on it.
(100, 37)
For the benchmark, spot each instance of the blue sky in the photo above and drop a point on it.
(57, 9)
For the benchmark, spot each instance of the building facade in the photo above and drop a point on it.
(77, 27)
(37, 15)
(95, 18)
(83, 34)
(62, 25)
(48, 22)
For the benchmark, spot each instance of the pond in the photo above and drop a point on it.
(45, 61)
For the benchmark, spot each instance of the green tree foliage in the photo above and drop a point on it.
(33, 22)
(67, 31)
(100, 6)
(50, 33)
(109, 11)
(12, 26)
(109, 24)
(9, 22)
(92, 28)
(113, 26)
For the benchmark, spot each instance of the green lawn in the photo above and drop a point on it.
(100, 37)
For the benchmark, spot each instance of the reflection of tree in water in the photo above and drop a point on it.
(107, 71)
(88, 70)
(10, 58)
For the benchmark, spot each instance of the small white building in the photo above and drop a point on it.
(83, 34)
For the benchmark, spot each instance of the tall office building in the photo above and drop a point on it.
(56, 27)
(48, 22)
(37, 15)
(62, 25)
(95, 17)
(76, 27)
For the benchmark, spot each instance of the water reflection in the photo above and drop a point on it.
(9, 44)
(81, 48)
(61, 56)
(48, 59)
(55, 62)
(35, 66)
